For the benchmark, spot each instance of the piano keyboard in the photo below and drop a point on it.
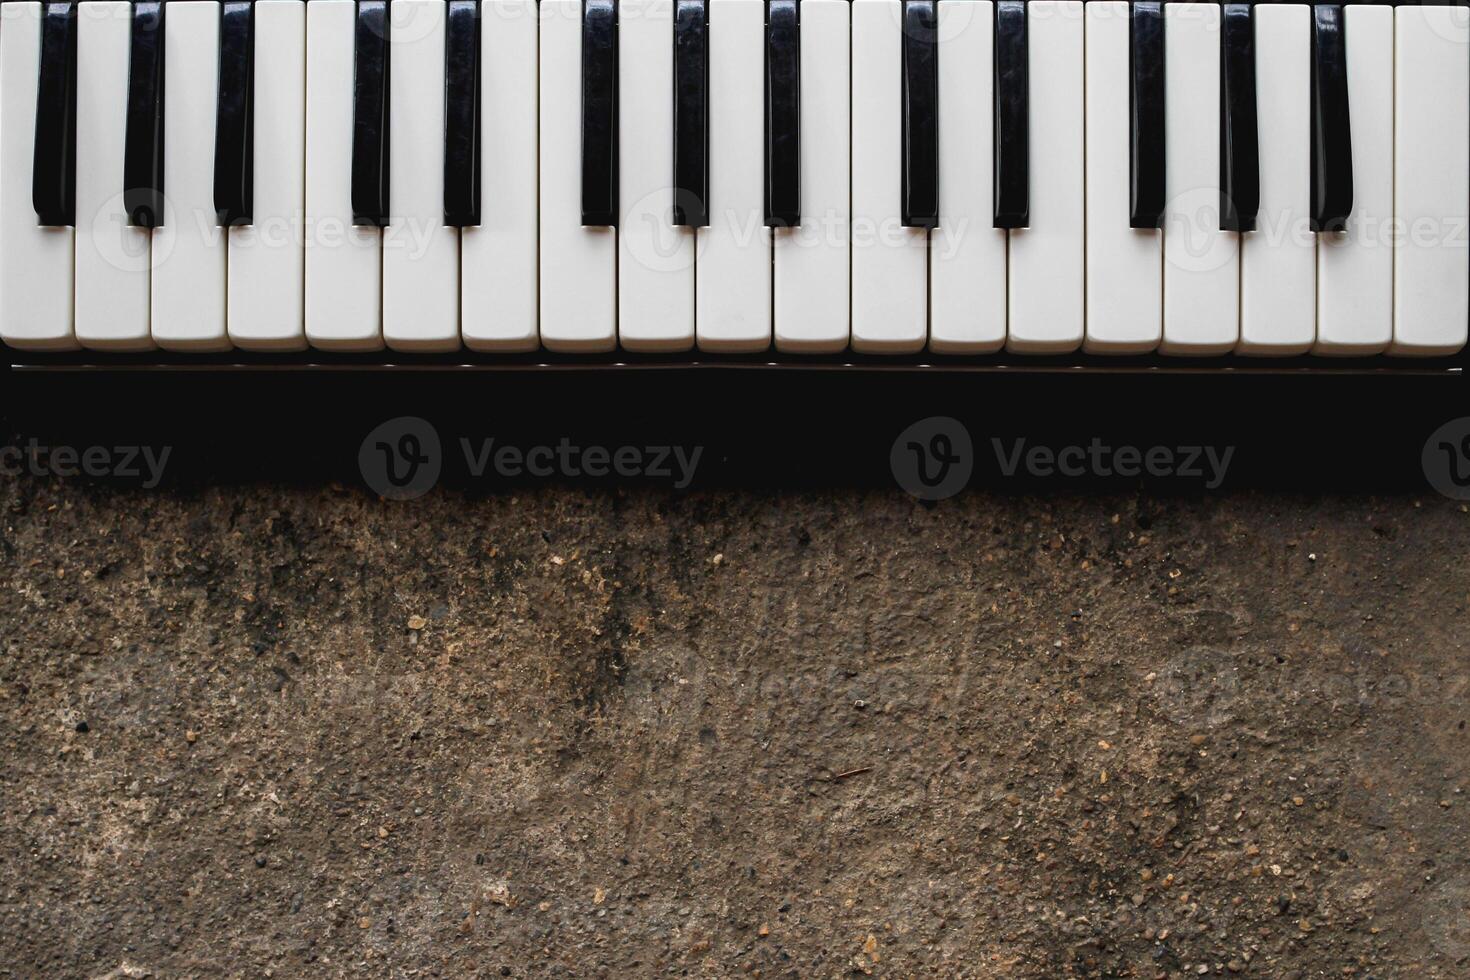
(896, 178)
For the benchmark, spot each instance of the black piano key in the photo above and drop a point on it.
(1332, 145)
(691, 113)
(143, 143)
(1146, 113)
(234, 121)
(54, 173)
(462, 114)
(370, 115)
(1012, 116)
(1240, 168)
(920, 114)
(783, 113)
(599, 112)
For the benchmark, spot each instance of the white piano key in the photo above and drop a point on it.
(35, 262)
(1355, 266)
(267, 272)
(111, 257)
(1432, 196)
(1046, 287)
(420, 252)
(498, 258)
(733, 271)
(889, 262)
(1201, 262)
(344, 262)
(578, 265)
(967, 256)
(189, 251)
(1278, 301)
(655, 257)
(1125, 288)
(811, 260)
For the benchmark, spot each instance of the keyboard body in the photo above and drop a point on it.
(1000, 185)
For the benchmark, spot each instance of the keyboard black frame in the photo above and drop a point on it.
(818, 425)
(467, 360)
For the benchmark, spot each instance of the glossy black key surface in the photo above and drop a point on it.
(599, 112)
(143, 143)
(1332, 146)
(1012, 116)
(783, 113)
(234, 123)
(370, 114)
(462, 114)
(54, 173)
(920, 114)
(1146, 114)
(691, 113)
(1240, 167)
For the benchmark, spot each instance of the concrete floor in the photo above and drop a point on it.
(257, 729)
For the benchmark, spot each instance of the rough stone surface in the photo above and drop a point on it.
(298, 731)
